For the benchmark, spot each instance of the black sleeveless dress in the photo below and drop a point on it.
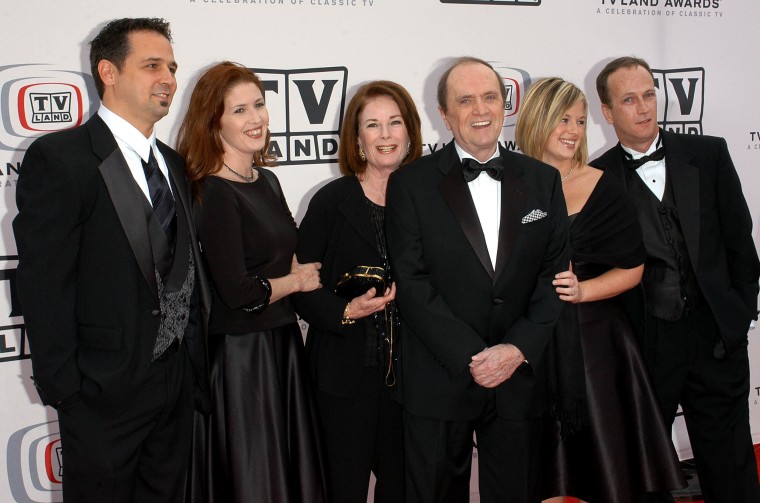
(626, 449)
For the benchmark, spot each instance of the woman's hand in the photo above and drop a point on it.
(364, 305)
(306, 276)
(567, 286)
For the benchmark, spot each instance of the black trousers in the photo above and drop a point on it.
(439, 458)
(140, 455)
(363, 435)
(714, 397)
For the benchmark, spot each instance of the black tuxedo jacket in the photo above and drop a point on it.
(716, 225)
(453, 302)
(86, 274)
(337, 231)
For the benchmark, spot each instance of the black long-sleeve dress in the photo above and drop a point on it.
(261, 440)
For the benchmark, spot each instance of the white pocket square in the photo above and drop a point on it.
(533, 216)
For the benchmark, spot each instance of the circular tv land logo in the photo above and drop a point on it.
(35, 464)
(38, 99)
(516, 81)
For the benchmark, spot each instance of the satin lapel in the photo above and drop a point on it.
(124, 192)
(685, 179)
(457, 196)
(514, 194)
(179, 184)
(179, 178)
(185, 202)
(353, 209)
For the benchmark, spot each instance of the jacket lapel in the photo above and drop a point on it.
(184, 202)
(179, 262)
(124, 192)
(457, 195)
(685, 178)
(359, 220)
(514, 194)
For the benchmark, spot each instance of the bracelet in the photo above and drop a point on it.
(346, 319)
(267, 295)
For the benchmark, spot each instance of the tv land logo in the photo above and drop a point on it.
(305, 113)
(516, 82)
(495, 2)
(35, 464)
(13, 343)
(754, 141)
(680, 99)
(36, 99)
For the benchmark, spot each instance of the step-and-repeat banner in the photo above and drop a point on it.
(312, 54)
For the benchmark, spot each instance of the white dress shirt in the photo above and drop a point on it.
(652, 172)
(486, 194)
(135, 147)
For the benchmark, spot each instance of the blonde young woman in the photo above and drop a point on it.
(625, 450)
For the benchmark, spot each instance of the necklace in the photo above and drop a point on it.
(246, 179)
(562, 178)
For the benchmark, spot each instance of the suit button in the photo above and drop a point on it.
(155, 312)
(497, 301)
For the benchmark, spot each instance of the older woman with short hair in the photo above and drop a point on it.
(353, 339)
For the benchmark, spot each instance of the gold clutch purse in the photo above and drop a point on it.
(358, 280)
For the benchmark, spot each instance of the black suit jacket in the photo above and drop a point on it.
(86, 274)
(716, 225)
(337, 231)
(453, 303)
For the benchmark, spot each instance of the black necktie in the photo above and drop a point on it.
(160, 196)
(634, 164)
(472, 168)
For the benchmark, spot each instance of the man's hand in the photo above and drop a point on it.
(496, 364)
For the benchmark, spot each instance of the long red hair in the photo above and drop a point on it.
(198, 140)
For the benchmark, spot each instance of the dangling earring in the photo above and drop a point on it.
(361, 154)
(408, 149)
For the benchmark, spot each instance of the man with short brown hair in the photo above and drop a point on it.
(700, 277)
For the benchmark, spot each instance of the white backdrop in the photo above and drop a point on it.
(314, 53)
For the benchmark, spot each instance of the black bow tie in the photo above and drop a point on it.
(471, 168)
(634, 164)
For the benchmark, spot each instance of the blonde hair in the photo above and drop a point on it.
(545, 104)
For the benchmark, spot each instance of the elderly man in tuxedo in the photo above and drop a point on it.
(475, 235)
(108, 279)
(700, 279)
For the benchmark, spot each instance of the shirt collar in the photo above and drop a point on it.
(127, 133)
(654, 146)
(464, 155)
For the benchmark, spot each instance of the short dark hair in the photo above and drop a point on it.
(443, 82)
(112, 42)
(602, 80)
(348, 154)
